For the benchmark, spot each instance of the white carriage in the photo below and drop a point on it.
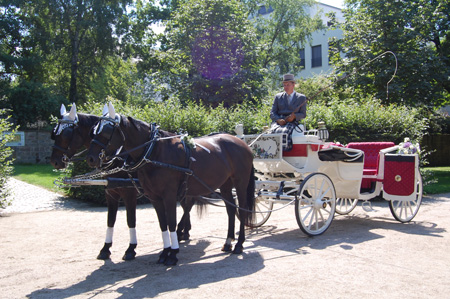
(322, 178)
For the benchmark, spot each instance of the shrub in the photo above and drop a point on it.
(347, 121)
(369, 120)
(94, 194)
(5, 158)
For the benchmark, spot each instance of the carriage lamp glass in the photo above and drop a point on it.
(322, 131)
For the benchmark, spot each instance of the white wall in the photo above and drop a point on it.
(321, 38)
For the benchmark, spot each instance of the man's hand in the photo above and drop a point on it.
(281, 122)
(291, 118)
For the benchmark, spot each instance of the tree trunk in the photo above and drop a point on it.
(74, 69)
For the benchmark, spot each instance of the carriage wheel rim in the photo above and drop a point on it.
(316, 207)
(405, 211)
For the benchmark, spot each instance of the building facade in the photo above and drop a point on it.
(316, 54)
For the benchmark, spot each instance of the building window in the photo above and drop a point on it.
(263, 10)
(302, 58)
(316, 56)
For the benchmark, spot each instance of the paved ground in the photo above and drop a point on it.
(49, 248)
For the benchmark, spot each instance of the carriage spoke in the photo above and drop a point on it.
(317, 219)
(307, 214)
(321, 216)
(317, 191)
(406, 210)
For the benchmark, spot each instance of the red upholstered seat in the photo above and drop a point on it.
(371, 158)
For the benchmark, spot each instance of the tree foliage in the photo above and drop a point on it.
(283, 33)
(209, 53)
(67, 49)
(417, 31)
(5, 157)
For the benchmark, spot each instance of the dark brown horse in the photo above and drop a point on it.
(168, 168)
(73, 133)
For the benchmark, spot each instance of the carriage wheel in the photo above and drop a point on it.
(345, 205)
(261, 216)
(405, 211)
(316, 204)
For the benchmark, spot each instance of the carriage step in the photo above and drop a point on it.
(367, 206)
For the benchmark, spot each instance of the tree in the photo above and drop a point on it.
(283, 28)
(77, 36)
(64, 50)
(209, 52)
(21, 70)
(5, 157)
(417, 31)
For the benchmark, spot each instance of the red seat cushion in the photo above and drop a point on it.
(371, 151)
(371, 158)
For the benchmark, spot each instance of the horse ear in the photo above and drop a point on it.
(112, 112)
(63, 110)
(73, 112)
(105, 110)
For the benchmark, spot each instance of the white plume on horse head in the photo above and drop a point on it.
(63, 110)
(112, 112)
(73, 112)
(72, 115)
(105, 110)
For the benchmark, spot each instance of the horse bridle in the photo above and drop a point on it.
(107, 126)
(63, 125)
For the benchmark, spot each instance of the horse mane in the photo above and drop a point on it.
(139, 124)
(87, 120)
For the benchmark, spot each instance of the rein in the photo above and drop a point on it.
(154, 137)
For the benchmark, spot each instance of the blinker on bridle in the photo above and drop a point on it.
(107, 127)
(62, 125)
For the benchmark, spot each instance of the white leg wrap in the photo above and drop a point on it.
(133, 238)
(109, 234)
(229, 241)
(166, 238)
(174, 240)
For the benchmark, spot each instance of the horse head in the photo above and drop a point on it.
(107, 138)
(67, 140)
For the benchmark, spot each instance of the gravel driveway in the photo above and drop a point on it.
(49, 248)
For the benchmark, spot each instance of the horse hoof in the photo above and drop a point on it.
(227, 247)
(171, 261)
(172, 258)
(130, 254)
(238, 249)
(183, 236)
(104, 255)
(163, 256)
(104, 252)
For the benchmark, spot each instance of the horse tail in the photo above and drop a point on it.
(201, 206)
(251, 197)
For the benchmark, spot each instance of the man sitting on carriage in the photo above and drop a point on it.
(288, 108)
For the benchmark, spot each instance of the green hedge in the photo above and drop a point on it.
(5, 157)
(369, 120)
(347, 121)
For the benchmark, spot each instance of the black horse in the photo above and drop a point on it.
(72, 133)
(169, 168)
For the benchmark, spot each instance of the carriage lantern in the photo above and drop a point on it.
(322, 131)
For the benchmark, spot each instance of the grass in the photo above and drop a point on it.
(43, 175)
(440, 177)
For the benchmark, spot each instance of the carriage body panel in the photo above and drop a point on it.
(400, 176)
(321, 177)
